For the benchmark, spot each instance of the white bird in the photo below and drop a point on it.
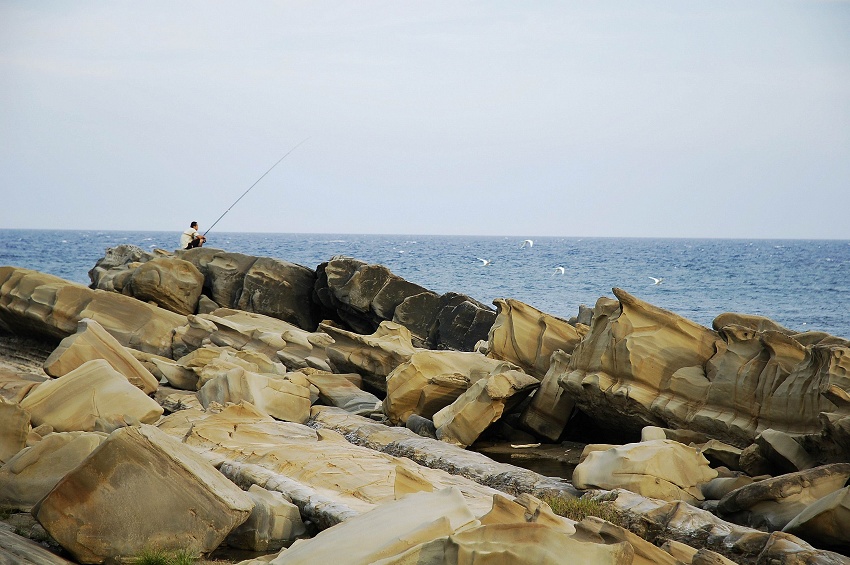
(526, 243)
(484, 262)
(558, 271)
(657, 281)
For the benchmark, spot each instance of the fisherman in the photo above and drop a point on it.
(191, 238)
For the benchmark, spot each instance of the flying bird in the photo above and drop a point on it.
(657, 281)
(484, 262)
(558, 271)
(526, 243)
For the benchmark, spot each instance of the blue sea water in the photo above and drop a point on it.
(801, 284)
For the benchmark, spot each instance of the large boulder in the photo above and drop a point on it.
(527, 337)
(28, 476)
(362, 296)
(431, 380)
(191, 505)
(661, 468)
(267, 286)
(169, 282)
(91, 395)
(112, 271)
(33, 303)
(641, 365)
(93, 342)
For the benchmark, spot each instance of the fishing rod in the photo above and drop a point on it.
(253, 185)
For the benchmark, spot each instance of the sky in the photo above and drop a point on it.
(726, 119)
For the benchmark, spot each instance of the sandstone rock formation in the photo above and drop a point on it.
(342, 392)
(34, 471)
(773, 503)
(33, 303)
(661, 468)
(14, 428)
(826, 521)
(273, 522)
(284, 397)
(642, 365)
(91, 342)
(551, 406)
(90, 395)
(194, 505)
(373, 356)
(527, 337)
(480, 405)
(429, 381)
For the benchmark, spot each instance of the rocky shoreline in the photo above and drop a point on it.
(202, 399)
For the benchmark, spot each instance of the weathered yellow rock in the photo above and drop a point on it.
(551, 405)
(825, 521)
(388, 530)
(338, 390)
(642, 365)
(93, 342)
(32, 473)
(661, 469)
(482, 404)
(141, 470)
(49, 306)
(431, 380)
(92, 391)
(285, 398)
(170, 282)
(373, 356)
(527, 337)
(14, 428)
(273, 522)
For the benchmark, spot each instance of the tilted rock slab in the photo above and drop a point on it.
(431, 380)
(773, 503)
(33, 472)
(657, 522)
(480, 405)
(179, 500)
(373, 356)
(18, 550)
(267, 286)
(92, 392)
(50, 307)
(551, 406)
(527, 337)
(302, 462)
(825, 521)
(90, 342)
(659, 468)
(642, 365)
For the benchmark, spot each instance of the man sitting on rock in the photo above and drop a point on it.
(191, 238)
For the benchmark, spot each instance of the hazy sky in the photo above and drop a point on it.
(685, 119)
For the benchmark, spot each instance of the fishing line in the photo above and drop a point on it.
(255, 184)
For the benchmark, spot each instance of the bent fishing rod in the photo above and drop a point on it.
(253, 185)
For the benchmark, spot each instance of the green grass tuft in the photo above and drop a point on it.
(162, 557)
(580, 508)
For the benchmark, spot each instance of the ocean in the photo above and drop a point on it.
(801, 284)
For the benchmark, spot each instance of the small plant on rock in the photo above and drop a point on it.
(162, 557)
(580, 508)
